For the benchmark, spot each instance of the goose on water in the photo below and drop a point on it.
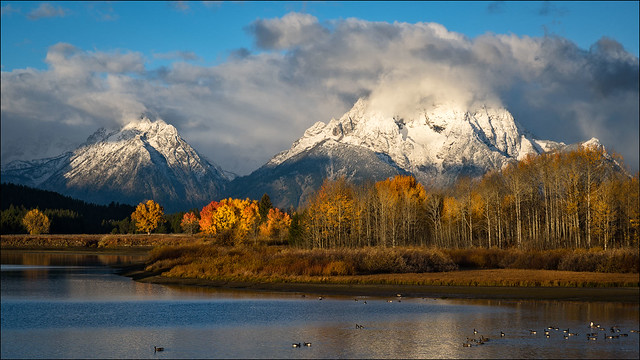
(295, 345)
(155, 348)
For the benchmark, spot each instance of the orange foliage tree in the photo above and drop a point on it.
(189, 223)
(147, 216)
(277, 225)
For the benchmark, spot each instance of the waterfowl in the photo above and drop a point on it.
(547, 335)
(307, 344)
(501, 334)
(624, 335)
(365, 301)
(573, 334)
(358, 326)
(295, 345)
(320, 298)
(155, 348)
(389, 301)
(466, 345)
(593, 338)
(532, 332)
(546, 332)
(475, 331)
(566, 330)
(633, 331)
(565, 336)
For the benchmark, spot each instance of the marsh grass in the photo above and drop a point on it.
(406, 266)
(594, 260)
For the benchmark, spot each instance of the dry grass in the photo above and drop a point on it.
(594, 260)
(503, 277)
(405, 266)
(49, 241)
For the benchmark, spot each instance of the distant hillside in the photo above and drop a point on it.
(68, 215)
(143, 160)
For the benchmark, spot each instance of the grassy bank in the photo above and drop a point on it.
(91, 241)
(399, 266)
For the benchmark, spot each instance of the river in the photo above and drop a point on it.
(75, 306)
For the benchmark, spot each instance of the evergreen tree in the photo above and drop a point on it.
(264, 206)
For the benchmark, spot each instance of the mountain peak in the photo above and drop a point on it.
(145, 159)
(435, 142)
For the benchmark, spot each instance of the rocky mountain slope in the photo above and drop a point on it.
(143, 160)
(436, 143)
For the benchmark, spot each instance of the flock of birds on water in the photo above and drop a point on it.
(615, 332)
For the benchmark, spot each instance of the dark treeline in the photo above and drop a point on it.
(568, 200)
(67, 215)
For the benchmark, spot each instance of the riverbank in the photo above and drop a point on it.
(611, 294)
(390, 285)
(171, 263)
(80, 242)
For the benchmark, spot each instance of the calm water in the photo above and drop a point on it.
(73, 306)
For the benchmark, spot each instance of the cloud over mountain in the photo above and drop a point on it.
(243, 111)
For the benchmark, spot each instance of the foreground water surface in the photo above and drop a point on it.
(74, 306)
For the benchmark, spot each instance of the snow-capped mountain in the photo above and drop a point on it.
(143, 160)
(436, 143)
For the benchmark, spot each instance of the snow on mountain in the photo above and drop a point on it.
(437, 143)
(143, 160)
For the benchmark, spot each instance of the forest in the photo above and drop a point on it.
(562, 200)
(68, 215)
(583, 199)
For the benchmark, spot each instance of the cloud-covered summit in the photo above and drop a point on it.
(241, 112)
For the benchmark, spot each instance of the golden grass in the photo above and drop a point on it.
(502, 277)
(357, 266)
(58, 241)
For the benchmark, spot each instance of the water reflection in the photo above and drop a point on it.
(80, 309)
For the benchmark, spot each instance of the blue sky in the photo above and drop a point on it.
(212, 30)
(242, 80)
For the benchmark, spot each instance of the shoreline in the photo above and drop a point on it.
(592, 294)
(371, 287)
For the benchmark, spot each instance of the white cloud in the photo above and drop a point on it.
(46, 10)
(242, 112)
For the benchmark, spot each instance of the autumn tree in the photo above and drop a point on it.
(36, 222)
(276, 226)
(233, 218)
(189, 223)
(148, 216)
(331, 213)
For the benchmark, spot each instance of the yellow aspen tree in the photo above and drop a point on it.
(36, 222)
(147, 216)
(224, 217)
(249, 217)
